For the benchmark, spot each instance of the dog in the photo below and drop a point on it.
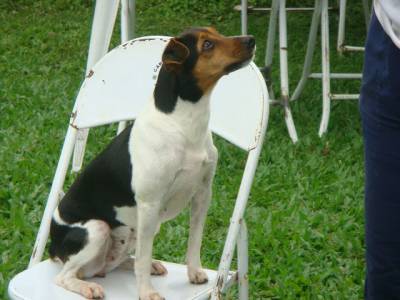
(149, 173)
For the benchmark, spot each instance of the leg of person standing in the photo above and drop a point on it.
(380, 112)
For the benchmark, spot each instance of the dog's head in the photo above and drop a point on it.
(200, 56)
(207, 55)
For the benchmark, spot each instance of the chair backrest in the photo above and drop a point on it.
(119, 85)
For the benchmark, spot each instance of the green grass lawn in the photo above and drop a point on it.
(305, 213)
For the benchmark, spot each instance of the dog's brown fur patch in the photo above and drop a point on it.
(212, 64)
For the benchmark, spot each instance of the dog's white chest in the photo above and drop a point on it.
(189, 179)
(172, 154)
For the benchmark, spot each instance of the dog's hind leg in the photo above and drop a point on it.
(87, 261)
(122, 238)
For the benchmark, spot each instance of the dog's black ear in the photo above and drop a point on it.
(175, 55)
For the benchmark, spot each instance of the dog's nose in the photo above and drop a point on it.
(249, 42)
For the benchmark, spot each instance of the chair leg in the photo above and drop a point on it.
(342, 25)
(326, 100)
(271, 33)
(237, 217)
(127, 33)
(269, 53)
(79, 150)
(243, 15)
(54, 196)
(103, 23)
(312, 38)
(284, 71)
(289, 121)
(243, 262)
(127, 20)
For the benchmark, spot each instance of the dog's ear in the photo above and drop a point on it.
(174, 55)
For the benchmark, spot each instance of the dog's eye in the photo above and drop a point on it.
(207, 45)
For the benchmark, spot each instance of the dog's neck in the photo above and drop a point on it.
(179, 99)
(170, 86)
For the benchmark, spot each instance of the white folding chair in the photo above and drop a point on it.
(320, 14)
(278, 11)
(116, 90)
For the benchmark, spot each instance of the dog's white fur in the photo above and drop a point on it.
(174, 161)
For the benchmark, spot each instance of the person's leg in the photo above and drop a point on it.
(380, 111)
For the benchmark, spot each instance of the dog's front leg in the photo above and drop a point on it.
(199, 207)
(148, 218)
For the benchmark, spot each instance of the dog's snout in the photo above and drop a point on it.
(249, 42)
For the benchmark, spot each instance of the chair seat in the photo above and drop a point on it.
(37, 283)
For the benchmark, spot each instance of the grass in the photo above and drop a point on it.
(305, 214)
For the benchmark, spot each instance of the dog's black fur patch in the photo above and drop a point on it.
(66, 240)
(166, 92)
(172, 84)
(104, 184)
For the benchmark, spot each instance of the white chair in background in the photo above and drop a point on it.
(278, 11)
(320, 10)
(321, 15)
(115, 90)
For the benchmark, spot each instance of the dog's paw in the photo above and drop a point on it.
(197, 276)
(92, 290)
(157, 268)
(89, 290)
(153, 295)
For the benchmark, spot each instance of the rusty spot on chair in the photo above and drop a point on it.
(220, 282)
(146, 39)
(91, 72)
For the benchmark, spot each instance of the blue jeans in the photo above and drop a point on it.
(380, 112)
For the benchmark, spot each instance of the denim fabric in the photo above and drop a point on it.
(380, 112)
